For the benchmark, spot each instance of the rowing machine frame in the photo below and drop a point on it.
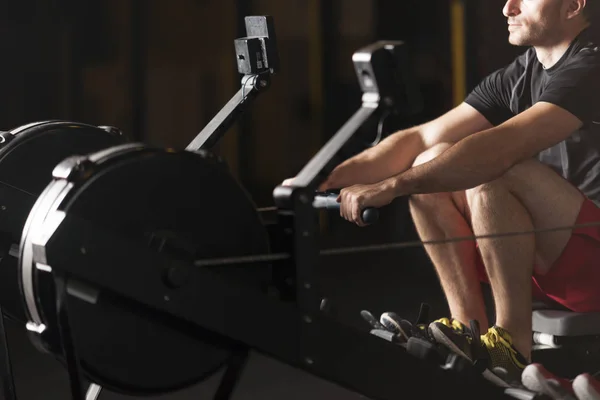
(286, 324)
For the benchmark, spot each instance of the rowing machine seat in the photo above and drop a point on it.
(566, 342)
(558, 322)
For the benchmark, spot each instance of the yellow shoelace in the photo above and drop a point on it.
(493, 338)
(454, 324)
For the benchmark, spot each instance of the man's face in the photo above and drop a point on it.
(534, 22)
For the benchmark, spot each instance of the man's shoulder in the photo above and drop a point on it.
(585, 51)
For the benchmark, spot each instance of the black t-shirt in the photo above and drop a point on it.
(573, 83)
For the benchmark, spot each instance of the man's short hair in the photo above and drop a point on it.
(592, 11)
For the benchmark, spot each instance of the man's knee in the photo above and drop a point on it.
(433, 201)
(480, 197)
(515, 177)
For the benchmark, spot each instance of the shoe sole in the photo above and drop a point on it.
(583, 389)
(440, 337)
(534, 379)
(392, 325)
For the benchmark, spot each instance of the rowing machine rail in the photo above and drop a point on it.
(300, 337)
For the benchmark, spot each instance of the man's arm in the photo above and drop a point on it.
(396, 153)
(487, 155)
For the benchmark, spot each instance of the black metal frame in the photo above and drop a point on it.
(290, 328)
(257, 58)
(287, 331)
(66, 338)
(6, 374)
(296, 214)
(383, 93)
(257, 70)
(252, 85)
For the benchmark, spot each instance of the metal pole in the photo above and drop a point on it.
(458, 46)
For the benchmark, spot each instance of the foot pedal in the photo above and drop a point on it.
(426, 350)
(391, 321)
(382, 331)
(367, 316)
(524, 394)
(387, 335)
(459, 364)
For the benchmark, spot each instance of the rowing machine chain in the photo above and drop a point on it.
(274, 257)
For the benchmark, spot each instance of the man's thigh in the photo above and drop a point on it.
(551, 201)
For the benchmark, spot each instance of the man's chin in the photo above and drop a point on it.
(517, 41)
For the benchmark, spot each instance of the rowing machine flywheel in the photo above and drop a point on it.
(28, 154)
(185, 204)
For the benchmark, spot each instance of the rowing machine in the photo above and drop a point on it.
(123, 260)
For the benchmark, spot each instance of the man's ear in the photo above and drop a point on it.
(575, 8)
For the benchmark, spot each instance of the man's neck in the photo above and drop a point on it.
(548, 55)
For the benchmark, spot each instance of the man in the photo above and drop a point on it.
(521, 153)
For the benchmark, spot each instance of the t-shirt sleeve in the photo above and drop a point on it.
(576, 87)
(488, 99)
(492, 96)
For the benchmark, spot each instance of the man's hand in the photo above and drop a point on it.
(354, 199)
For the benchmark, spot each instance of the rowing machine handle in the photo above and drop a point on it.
(370, 215)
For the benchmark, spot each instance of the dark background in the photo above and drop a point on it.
(160, 70)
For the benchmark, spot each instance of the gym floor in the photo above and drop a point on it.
(39, 377)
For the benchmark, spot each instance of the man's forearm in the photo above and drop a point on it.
(471, 162)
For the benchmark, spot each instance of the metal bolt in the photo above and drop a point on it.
(83, 250)
(263, 83)
(309, 361)
(3, 208)
(307, 285)
(167, 298)
(307, 319)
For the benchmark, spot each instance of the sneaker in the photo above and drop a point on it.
(417, 337)
(537, 379)
(399, 330)
(586, 387)
(454, 335)
(505, 364)
(493, 353)
(402, 328)
(419, 329)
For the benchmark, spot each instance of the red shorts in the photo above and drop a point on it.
(574, 279)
